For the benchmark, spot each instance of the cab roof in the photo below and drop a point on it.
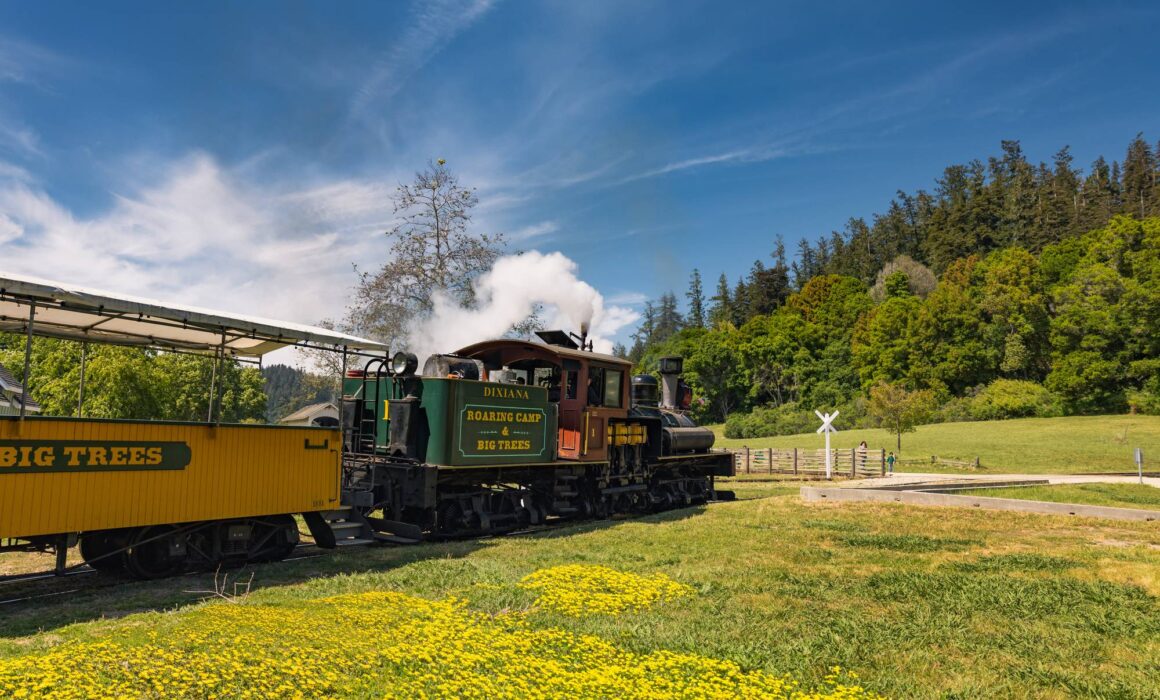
(501, 352)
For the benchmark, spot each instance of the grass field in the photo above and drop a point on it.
(1116, 495)
(918, 602)
(1068, 445)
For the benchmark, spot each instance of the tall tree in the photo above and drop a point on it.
(668, 319)
(740, 306)
(1139, 178)
(721, 304)
(432, 252)
(696, 297)
(645, 334)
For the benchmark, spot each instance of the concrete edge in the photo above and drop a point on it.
(816, 494)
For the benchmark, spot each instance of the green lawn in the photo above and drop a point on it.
(1069, 445)
(1116, 495)
(919, 602)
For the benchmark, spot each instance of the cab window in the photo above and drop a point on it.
(612, 387)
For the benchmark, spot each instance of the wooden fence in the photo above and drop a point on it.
(854, 463)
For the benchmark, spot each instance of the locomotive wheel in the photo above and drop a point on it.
(149, 556)
(450, 518)
(283, 538)
(97, 549)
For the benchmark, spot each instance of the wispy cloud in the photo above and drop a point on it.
(535, 231)
(628, 298)
(200, 234)
(435, 25)
(22, 64)
(27, 63)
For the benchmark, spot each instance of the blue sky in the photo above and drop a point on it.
(242, 155)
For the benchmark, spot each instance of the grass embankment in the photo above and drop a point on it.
(919, 602)
(1116, 495)
(1070, 445)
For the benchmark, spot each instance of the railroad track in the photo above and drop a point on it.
(82, 579)
(22, 588)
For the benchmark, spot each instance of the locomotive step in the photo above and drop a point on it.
(351, 543)
(346, 529)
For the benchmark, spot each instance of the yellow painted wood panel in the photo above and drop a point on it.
(232, 471)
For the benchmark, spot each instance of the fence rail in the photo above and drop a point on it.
(853, 463)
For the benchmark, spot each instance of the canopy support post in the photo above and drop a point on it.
(27, 360)
(212, 390)
(81, 391)
(221, 371)
(341, 403)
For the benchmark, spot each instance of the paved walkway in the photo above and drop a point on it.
(920, 478)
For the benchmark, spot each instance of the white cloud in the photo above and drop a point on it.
(9, 230)
(203, 236)
(628, 298)
(527, 233)
(18, 138)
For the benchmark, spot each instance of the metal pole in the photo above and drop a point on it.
(81, 392)
(212, 389)
(829, 457)
(221, 361)
(27, 359)
(341, 379)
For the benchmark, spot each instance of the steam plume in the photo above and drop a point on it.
(509, 293)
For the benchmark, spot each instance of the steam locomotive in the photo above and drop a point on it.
(506, 434)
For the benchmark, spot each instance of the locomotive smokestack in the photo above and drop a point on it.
(671, 368)
(584, 345)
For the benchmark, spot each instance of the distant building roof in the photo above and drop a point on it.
(309, 412)
(14, 391)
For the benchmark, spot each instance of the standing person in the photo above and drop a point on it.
(890, 464)
(862, 449)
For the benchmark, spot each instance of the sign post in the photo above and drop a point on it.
(1140, 463)
(827, 428)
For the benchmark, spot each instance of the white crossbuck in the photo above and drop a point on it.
(827, 428)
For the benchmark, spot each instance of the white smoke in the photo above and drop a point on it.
(508, 294)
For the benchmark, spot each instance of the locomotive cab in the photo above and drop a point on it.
(590, 390)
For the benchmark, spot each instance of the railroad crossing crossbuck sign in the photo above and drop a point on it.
(827, 428)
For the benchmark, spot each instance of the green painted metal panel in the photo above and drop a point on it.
(375, 403)
(475, 424)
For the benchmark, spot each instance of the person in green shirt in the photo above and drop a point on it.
(890, 464)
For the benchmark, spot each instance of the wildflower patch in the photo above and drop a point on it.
(577, 590)
(381, 644)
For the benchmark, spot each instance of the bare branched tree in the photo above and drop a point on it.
(431, 251)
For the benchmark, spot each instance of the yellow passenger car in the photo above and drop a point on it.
(153, 497)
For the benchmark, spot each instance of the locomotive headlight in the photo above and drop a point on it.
(404, 363)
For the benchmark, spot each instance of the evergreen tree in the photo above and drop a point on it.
(721, 310)
(668, 319)
(740, 310)
(696, 297)
(1139, 178)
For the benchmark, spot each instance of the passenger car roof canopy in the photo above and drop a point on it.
(77, 313)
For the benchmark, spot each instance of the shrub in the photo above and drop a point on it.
(766, 421)
(794, 417)
(955, 410)
(1145, 402)
(1014, 398)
